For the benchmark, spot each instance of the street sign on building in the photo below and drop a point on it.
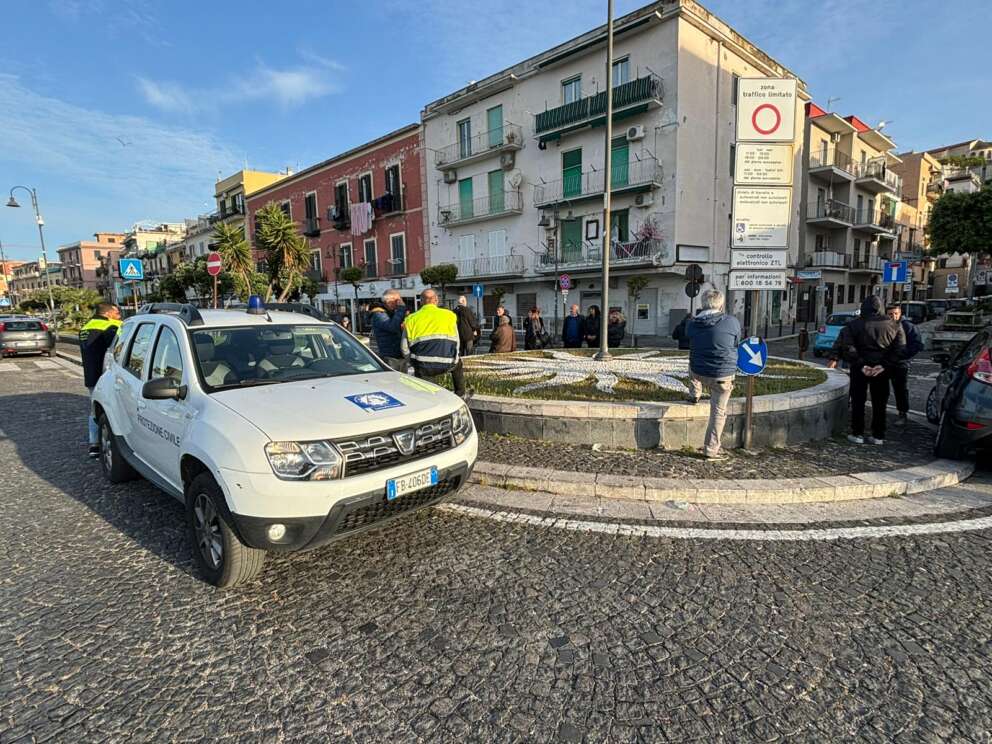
(750, 258)
(809, 274)
(752, 355)
(131, 269)
(952, 282)
(761, 216)
(895, 272)
(774, 280)
(766, 109)
(477, 290)
(762, 164)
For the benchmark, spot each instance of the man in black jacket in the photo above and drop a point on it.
(94, 339)
(872, 344)
(900, 372)
(468, 327)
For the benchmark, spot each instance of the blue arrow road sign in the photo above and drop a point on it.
(477, 290)
(895, 272)
(752, 355)
(132, 270)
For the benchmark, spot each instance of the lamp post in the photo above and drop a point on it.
(604, 352)
(12, 202)
(6, 281)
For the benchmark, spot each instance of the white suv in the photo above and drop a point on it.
(277, 431)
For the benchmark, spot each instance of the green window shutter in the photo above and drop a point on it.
(571, 172)
(497, 202)
(465, 198)
(621, 221)
(571, 240)
(619, 164)
(494, 122)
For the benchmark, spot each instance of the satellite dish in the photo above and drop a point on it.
(516, 178)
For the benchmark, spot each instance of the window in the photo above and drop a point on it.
(393, 183)
(111, 240)
(466, 247)
(167, 361)
(621, 71)
(850, 293)
(341, 199)
(465, 199)
(497, 243)
(365, 187)
(571, 89)
(571, 172)
(840, 293)
(397, 249)
(346, 262)
(371, 267)
(733, 159)
(287, 208)
(464, 138)
(310, 205)
(139, 349)
(864, 292)
(497, 198)
(734, 86)
(315, 262)
(819, 242)
(494, 123)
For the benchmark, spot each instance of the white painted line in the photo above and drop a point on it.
(690, 533)
(46, 364)
(8, 367)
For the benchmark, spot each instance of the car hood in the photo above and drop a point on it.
(339, 406)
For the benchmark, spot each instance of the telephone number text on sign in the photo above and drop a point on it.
(758, 280)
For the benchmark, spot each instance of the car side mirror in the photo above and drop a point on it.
(942, 359)
(163, 388)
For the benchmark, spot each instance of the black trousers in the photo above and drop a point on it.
(900, 387)
(860, 387)
(457, 377)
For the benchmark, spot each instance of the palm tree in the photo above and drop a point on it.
(287, 252)
(236, 253)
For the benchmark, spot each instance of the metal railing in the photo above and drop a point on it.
(878, 170)
(935, 187)
(834, 210)
(833, 158)
(491, 205)
(629, 174)
(311, 226)
(875, 218)
(636, 91)
(867, 263)
(371, 270)
(591, 252)
(828, 259)
(388, 203)
(490, 266)
(508, 136)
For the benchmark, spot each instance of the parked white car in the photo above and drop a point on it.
(277, 431)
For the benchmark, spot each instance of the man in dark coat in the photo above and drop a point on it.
(387, 329)
(95, 338)
(468, 327)
(680, 335)
(572, 330)
(900, 371)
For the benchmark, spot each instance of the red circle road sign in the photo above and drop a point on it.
(565, 282)
(769, 130)
(213, 263)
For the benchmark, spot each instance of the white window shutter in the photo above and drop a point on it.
(497, 243)
(466, 246)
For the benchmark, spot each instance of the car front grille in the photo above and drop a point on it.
(369, 514)
(379, 451)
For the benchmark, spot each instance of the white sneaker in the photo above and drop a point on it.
(853, 439)
(872, 440)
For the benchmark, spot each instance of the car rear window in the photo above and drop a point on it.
(838, 320)
(22, 325)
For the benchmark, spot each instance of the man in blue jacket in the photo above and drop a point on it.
(899, 373)
(572, 329)
(713, 340)
(387, 329)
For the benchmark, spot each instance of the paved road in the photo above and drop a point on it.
(447, 627)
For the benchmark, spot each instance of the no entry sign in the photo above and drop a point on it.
(766, 109)
(213, 263)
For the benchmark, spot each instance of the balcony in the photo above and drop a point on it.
(482, 208)
(829, 260)
(482, 267)
(832, 166)
(875, 222)
(832, 214)
(507, 138)
(628, 99)
(636, 175)
(388, 204)
(589, 255)
(311, 227)
(935, 189)
(874, 176)
(867, 264)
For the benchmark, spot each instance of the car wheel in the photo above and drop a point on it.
(944, 447)
(222, 559)
(933, 410)
(115, 468)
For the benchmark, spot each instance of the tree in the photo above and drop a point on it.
(962, 223)
(74, 306)
(236, 253)
(635, 285)
(171, 288)
(309, 288)
(193, 275)
(287, 252)
(441, 275)
(352, 275)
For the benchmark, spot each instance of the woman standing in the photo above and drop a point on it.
(616, 329)
(535, 336)
(592, 327)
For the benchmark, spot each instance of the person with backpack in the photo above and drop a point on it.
(430, 337)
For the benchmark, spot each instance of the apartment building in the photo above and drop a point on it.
(6, 274)
(81, 261)
(32, 276)
(230, 193)
(515, 167)
(850, 203)
(360, 208)
(967, 166)
(147, 241)
(922, 185)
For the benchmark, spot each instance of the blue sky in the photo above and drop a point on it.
(126, 110)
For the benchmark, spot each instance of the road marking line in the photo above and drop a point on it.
(8, 367)
(46, 364)
(689, 533)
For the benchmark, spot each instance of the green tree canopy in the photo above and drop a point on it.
(287, 253)
(230, 242)
(440, 275)
(961, 222)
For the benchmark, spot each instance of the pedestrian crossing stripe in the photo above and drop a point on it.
(40, 364)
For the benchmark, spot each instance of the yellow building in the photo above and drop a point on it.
(922, 185)
(230, 192)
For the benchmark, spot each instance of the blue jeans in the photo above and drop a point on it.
(94, 432)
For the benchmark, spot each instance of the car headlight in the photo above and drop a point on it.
(304, 460)
(461, 424)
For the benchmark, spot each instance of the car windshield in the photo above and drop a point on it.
(838, 320)
(262, 355)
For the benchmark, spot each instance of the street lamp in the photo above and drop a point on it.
(604, 352)
(12, 202)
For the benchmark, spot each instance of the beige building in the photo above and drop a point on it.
(969, 177)
(230, 193)
(81, 261)
(147, 241)
(851, 200)
(922, 185)
(32, 276)
(6, 274)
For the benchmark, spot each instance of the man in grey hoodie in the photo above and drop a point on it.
(713, 340)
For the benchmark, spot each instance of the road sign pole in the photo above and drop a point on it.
(134, 295)
(215, 291)
(748, 410)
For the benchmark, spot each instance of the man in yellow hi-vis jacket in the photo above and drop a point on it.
(430, 337)
(94, 339)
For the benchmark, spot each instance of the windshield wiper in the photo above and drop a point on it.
(246, 383)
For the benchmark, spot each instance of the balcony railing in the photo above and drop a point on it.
(829, 259)
(876, 219)
(484, 207)
(833, 158)
(507, 137)
(877, 170)
(388, 203)
(482, 266)
(311, 226)
(832, 210)
(396, 266)
(935, 188)
(371, 270)
(590, 253)
(641, 90)
(867, 263)
(626, 175)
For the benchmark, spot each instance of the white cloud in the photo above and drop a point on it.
(166, 96)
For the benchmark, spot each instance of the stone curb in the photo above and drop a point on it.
(868, 485)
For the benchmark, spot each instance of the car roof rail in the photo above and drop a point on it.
(187, 313)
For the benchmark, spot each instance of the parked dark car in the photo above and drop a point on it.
(961, 401)
(914, 311)
(25, 336)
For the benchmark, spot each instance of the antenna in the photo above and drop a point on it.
(830, 101)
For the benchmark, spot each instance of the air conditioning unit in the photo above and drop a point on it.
(635, 133)
(644, 200)
(507, 160)
(547, 222)
(450, 176)
(396, 283)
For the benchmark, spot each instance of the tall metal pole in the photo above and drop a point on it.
(6, 281)
(44, 255)
(604, 351)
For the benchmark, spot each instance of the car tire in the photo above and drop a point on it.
(221, 558)
(115, 468)
(944, 447)
(933, 409)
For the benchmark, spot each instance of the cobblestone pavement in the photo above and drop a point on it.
(445, 627)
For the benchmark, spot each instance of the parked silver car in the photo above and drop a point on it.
(25, 336)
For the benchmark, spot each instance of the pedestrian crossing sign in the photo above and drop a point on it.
(131, 269)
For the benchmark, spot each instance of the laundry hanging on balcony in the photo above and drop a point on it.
(361, 218)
